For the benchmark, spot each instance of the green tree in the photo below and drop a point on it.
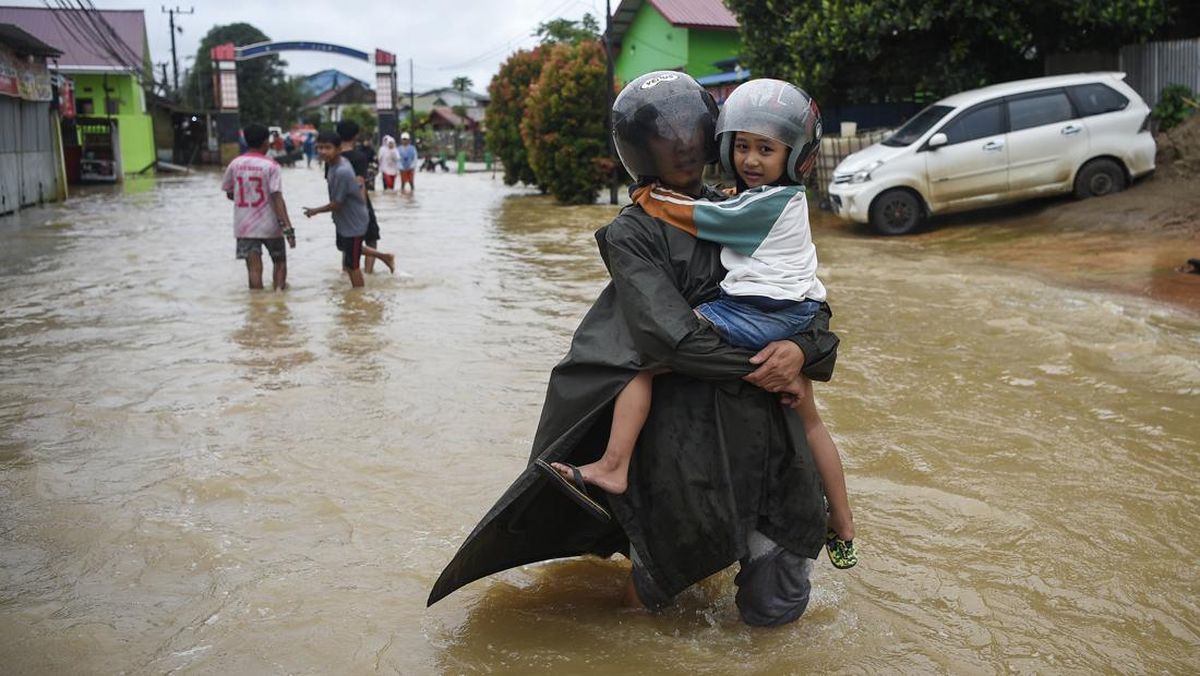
(863, 50)
(564, 127)
(571, 32)
(508, 91)
(363, 115)
(462, 83)
(265, 95)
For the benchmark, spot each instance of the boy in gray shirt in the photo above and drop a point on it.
(349, 207)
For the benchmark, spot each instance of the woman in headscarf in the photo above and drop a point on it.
(389, 162)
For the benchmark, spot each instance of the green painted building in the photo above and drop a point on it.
(107, 57)
(685, 35)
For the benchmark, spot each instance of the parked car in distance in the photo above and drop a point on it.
(1087, 133)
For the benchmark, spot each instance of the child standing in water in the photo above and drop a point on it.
(348, 204)
(769, 133)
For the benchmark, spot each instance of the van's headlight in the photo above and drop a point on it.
(864, 175)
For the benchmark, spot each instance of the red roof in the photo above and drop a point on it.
(74, 31)
(444, 116)
(712, 14)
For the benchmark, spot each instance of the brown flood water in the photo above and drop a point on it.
(199, 479)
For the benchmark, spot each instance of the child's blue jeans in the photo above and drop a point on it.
(753, 321)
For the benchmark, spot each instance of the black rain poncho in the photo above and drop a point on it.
(716, 458)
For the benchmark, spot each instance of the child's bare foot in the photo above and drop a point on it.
(390, 261)
(610, 477)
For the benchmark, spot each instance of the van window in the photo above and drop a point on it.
(917, 126)
(1039, 109)
(977, 123)
(1097, 99)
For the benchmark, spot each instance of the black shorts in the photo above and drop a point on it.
(252, 246)
(351, 248)
(372, 235)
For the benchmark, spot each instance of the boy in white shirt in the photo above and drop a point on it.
(252, 181)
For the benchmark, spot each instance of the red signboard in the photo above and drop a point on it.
(66, 98)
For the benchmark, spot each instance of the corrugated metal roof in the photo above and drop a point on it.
(73, 31)
(24, 42)
(711, 14)
(701, 14)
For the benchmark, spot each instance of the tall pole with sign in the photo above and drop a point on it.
(385, 92)
(224, 59)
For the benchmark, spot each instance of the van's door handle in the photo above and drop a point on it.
(993, 146)
(1071, 129)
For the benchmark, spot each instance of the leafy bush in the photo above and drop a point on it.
(564, 129)
(1172, 107)
(870, 50)
(364, 116)
(508, 91)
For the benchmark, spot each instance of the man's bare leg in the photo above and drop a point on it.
(369, 261)
(279, 274)
(829, 466)
(388, 259)
(356, 278)
(254, 270)
(611, 471)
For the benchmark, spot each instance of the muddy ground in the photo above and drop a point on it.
(1134, 242)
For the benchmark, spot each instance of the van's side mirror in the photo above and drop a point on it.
(937, 140)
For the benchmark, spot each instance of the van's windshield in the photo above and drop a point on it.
(917, 126)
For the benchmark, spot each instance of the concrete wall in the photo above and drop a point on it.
(707, 47)
(651, 43)
(29, 158)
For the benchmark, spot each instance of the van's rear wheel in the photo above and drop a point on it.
(1099, 177)
(896, 212)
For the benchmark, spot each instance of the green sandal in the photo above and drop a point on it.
(842, 553)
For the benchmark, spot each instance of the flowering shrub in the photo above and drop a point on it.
(508, 91)
(564, 130)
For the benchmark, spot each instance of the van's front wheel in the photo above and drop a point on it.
(896, 212)
(1099, 177)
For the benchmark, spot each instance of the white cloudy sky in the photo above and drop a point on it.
(444, 38)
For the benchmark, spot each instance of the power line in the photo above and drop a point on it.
(500, 48)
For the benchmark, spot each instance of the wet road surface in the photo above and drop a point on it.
(200, 479)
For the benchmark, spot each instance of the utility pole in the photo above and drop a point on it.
(412, 101)
(163, 65)
(175, 61)
(608, 97)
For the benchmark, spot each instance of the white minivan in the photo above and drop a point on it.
(1087, 133)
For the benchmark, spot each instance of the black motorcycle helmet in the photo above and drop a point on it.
(662, 109)
(778, 110)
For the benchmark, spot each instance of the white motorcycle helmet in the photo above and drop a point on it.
(778, 110)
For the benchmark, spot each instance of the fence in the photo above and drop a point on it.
(834, 149)
(28, 173)
(1151, 66)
